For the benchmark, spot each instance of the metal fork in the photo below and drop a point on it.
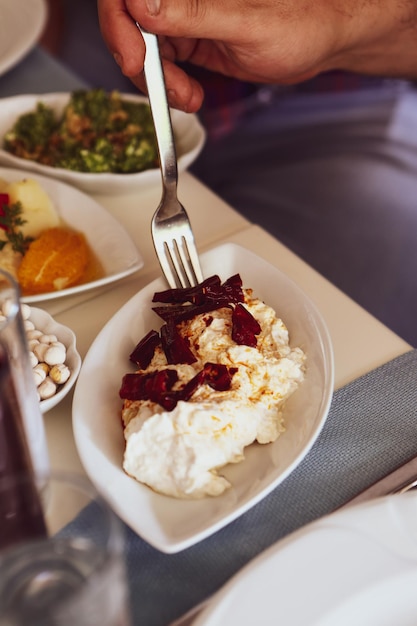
(171, 229)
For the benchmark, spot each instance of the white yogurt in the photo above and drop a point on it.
(181, 452)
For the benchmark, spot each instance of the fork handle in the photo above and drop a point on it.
(158, 101)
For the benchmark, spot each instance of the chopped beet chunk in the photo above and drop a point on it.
(218, 376)
(180, 313)
(157, 386)
(132, 387)
(176, 348)
(143, 353)
(195, 295)
(233, 289)
(244, 327)
(188, 390)
(186, 303)
(207, 296)
(151, 386)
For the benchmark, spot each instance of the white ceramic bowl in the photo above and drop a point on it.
(169, 524)
(189, 135)
(108, 240)
(44, 322)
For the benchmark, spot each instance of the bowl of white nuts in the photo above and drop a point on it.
(53, 356)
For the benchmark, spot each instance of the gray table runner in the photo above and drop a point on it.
(371, 429)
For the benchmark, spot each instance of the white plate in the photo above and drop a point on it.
(21, 25)
(189, 134)
(109, 241)
(49, 326)
(169, 524)
(357, 566)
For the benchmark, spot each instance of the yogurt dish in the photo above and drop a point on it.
(172, 524)
(216, 382)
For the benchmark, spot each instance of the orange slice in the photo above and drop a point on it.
(55, 260)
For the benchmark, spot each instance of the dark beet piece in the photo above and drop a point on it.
(207, 296)
(176, 348)
(157, 386)
(218, 376)
(187, 391)
(232, 288)
(179, 313)
(143, 353)
(149, 386)
(132, 387)
(195, 295)
(245, 327)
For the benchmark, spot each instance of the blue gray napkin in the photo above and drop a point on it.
(371, 429)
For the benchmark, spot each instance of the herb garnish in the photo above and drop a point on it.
(10, 220)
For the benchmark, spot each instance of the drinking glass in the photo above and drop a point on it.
(72, 574)
(22, 433)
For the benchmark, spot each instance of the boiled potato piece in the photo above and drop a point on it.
(37, 208)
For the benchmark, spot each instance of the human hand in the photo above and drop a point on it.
(265, 41)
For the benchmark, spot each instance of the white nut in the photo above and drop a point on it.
(47, 356)
(39, 375)
(48, 338)
(60, 373)
(33, 359)
(47, 389)
(59, 344)
(25, 308)
(32, 343)
(7, 307)
(40, 350)
(54, 355)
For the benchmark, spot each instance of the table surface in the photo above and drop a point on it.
(360, 342)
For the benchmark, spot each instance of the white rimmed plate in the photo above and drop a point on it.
(49, 326)
(357, 566)
(112, 245)
(169, 524)
(21, 25)
(189, 137)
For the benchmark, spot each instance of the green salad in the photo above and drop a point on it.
(97, 132)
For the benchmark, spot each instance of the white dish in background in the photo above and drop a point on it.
(169, 524)
(189, 137)
(21, 25)
(45, 322)
(108, 240)
(356, 566)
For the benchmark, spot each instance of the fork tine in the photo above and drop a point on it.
(187, 271)
(194, 261)
(166, 265)
(174, 251)
(179, 262)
